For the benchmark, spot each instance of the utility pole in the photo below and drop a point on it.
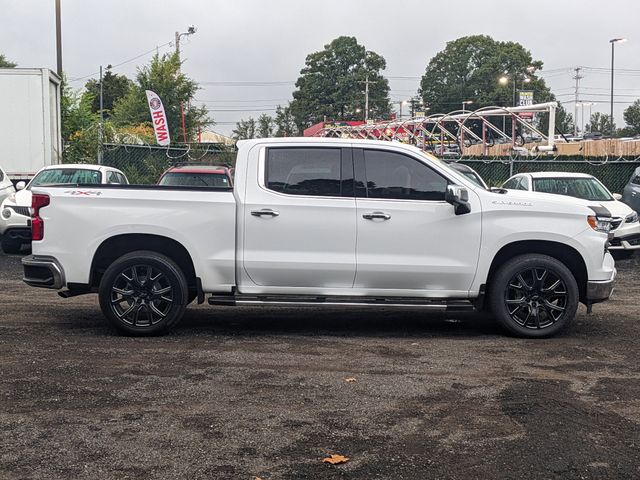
(101, 130)
(366, 99)
(577, 78)
(178, 45)
(58, 39)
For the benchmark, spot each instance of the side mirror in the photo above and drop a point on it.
(458, 196)
(20, 185)
(617, 196)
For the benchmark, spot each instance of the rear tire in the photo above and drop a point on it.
(534, 296)
(11, 245)
(143, 293)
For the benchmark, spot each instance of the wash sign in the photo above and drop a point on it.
(158, 118)
(525, 98)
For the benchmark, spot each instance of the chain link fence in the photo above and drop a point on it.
(144, 164)
(614, 173)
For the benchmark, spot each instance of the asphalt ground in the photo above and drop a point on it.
(240, 393)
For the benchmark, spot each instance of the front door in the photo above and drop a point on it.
(299, 221)
(410, 242)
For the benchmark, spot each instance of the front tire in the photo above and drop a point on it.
(534, 296)
(143, 293)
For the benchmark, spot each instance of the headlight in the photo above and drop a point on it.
(599, 224)
(631, 218)
(6, 213)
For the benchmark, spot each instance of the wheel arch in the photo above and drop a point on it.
(114, 247)
(565, 254)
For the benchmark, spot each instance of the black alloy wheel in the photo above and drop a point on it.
(533, 295)
(143, 293)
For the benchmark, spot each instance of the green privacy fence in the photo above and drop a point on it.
(614, 174)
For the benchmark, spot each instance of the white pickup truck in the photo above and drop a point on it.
(323, 222)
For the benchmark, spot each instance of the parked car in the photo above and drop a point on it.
(197, 176)
(631, 192)
(468, 172)
(323, 222)
(6, 186)
(624, 222)
(15, 217)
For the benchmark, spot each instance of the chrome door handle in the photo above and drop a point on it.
(376, 215)
(265, 212)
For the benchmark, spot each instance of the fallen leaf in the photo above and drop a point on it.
(336, 459)
(350, 380)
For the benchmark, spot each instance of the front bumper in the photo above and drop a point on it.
(43, 271)
(599, 291)
(628, 242)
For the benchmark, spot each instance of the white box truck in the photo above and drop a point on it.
(29, 121)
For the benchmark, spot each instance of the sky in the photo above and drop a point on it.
(247, 54)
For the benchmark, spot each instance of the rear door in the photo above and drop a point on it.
(299, 221)
(410, 241)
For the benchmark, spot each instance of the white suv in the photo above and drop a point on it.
(6, 187)
(15, 216)
(624, 221)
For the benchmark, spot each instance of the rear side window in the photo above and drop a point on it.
(397, 176)
(195, 179)
(304, 171)
(635, 180)
(1, 175)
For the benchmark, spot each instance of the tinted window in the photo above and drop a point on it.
(511, 184)
(635, 180)
(393, 175)
(585, 188)
(187, 179)
(1, 175)
(304, 171)
(523, 184)
(122, 179)
(61, 176)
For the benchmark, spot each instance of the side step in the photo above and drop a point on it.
(307, 300)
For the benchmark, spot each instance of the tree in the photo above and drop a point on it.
(114, 87)
(332, 84)
(4, 63)
(600, 122)
(266, 126)
(177, 92)
(79, 126)
(245, 129)
(632, 119)
(470, 68)
(284, 122)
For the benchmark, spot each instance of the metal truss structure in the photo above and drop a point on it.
(466, 129)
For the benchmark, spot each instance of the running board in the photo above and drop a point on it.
(305, 300)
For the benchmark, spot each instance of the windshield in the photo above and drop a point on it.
(474, 177)
(195, 179)
(584, 188)
(61, 176)
(448, 167)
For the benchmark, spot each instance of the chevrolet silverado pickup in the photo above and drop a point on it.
(314, 221)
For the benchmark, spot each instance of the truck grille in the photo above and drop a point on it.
(616, 222)
(26, 211)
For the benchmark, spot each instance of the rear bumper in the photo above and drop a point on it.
(43, 271)
(599, 291)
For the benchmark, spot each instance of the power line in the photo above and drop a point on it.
(155, 49)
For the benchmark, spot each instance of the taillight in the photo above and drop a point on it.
(38, 201)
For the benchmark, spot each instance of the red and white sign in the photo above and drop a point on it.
(158, 118)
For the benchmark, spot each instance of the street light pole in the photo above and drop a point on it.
(613, 42)
(58, 39)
